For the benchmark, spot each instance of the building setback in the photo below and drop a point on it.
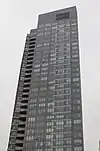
(48, 107)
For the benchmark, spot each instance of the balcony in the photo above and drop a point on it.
(22, 118)
(25, 90)
(32, 39)
(23, 112)
(30, 58)
(28, 71)
(21, 128)
(23, 106)
(32, 46)
(29, 67)
(25, 95)
(18, 148)
(30, 62)
(28, 76)
(32, 43)
(21, 125)
(21, 131)
(24, 102)
(19, 141)
(30, 54)
(31, 50)
(20, 136)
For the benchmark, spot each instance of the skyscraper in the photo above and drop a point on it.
(48, 108)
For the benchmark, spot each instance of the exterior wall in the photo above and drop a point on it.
(17, 133)
(53, 117)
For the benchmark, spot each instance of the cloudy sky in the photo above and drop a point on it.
(17, 17)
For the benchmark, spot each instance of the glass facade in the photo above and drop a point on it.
(48, 102)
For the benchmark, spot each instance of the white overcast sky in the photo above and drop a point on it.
(17, 17)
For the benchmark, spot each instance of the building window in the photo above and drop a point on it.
(60, 123)
(33, 101)
(77, 121)
(50, 124)
(78, 141)
(42, 99)
(45, 64)
(74, 24)
(47, 25)
(52, 82)
(53, 59)
(39, 45)
(59, 142)
(47, 33)
(76, 101)
(43, 89)
(60, 116)
(31, 119)
(54, 27)
(41, 26)
(50, 110)
(74, 47)
(74, 43)
(59, 148)
(75, 79)
(36, 70)
(42, 105)
(37, 65)
(61, 25)
(29, 138)
(44, 73)
(44, 78)
(50, 117)
(49, 130)
(49, 136)
(47, 29)
(40, 34)
(46, 44)
(78, 148)
(41, 110)
(76, 90)
(75, 56)
(44, 69)
(34, 90)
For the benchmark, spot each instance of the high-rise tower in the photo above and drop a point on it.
(48, 108)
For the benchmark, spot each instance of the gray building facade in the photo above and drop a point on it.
(48, 107)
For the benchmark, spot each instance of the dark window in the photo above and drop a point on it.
(32, 50)
(32, 46)
(21, 125)
(18, 150)
(30, 62)
(26, 81)
(24, 107)
(28, 76)
(22, 119)
(28, 71)
(32, 43)
(31, 58)
(23, 112)
(25, 90)
(26, 85)
(21, 132)
(19, 144)
(25, 95)
(28, 67)
(62, 16)
(24, 101)
(31, 54)
(33, 39)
